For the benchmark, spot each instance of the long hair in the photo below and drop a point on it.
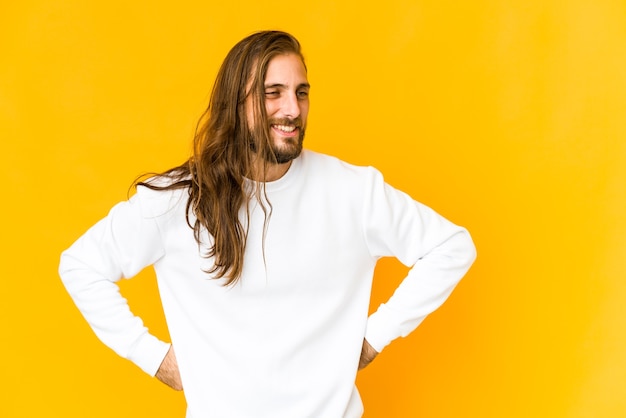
(225, 150)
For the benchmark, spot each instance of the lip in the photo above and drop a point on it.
(293, 133)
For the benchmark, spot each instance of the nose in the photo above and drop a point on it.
(290, 106)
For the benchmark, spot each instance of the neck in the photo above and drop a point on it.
(272, 171)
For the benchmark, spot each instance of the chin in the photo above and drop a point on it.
(290, 150)
(284, 157)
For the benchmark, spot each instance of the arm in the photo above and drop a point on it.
(168, 371)
(119, 246)
(439, 252)
(368, 354)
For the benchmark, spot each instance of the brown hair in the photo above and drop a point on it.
(224, 149)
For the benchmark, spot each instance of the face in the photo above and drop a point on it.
(286, 104)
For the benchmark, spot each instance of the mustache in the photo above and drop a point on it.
(297, 122)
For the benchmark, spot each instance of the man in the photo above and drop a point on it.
(264, 255)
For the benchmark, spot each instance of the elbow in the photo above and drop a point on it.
(467, 248)
(62, 266)
(66, 265)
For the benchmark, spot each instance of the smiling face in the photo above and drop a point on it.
(286, 96)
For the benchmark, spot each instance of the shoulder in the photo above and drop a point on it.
(160, 196)
(328, 165)
(344, 181)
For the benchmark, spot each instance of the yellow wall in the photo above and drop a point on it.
(508, 117)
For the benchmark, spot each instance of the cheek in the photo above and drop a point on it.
(304, 111)
(271, 108)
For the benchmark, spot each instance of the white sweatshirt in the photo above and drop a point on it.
(284, 342)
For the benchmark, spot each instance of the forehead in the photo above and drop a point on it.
(286, 69)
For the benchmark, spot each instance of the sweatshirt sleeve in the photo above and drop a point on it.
(438, 252)
(118, 246)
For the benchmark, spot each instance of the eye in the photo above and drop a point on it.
(303, 94)
(271, 93)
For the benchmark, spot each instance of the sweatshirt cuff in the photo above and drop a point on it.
(375, 332)
(149, 353)
(383, 327)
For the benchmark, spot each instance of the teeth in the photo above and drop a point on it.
(285, 128)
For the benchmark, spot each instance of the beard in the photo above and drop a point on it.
(284, 149)
(288, 150)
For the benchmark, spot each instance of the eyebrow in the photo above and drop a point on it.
(282, 86)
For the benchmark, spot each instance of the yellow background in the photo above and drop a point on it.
(508, 117)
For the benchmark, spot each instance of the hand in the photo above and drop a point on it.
(367, 354)
(168, 371)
